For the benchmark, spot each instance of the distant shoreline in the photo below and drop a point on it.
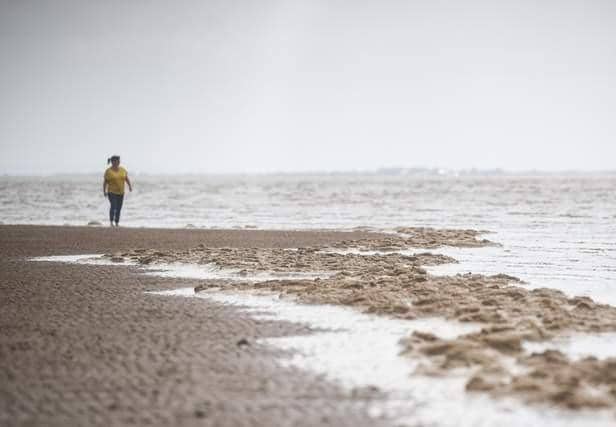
(381, 172)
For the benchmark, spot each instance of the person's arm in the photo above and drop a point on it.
(105, 186)
(130, 186)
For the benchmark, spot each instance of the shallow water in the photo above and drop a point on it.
(492, 260)
(556, 231)
(576, 278)
(579, 346)
(89, 259)
(186, 271)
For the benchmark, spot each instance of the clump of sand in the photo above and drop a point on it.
(253, 260)
(396, 285)
(420, 237)
(499, 366)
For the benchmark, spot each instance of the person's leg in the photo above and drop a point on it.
(111, 207)
(119, 201)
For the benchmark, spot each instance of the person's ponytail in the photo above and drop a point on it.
(112, 158)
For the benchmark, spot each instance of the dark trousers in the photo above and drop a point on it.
(116, 206)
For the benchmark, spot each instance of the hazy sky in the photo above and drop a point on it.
(254, 86)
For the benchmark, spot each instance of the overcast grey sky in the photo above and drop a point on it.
(255, 86)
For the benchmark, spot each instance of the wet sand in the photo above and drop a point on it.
(83, 345)
(115, 351)
(395, 284)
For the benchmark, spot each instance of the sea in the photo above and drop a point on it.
(554, 230)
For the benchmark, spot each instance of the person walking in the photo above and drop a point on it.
(113, 188)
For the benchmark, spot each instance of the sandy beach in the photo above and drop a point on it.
(86, 344)
(83, 345)
(308, 213)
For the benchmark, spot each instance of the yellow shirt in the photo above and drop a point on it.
(115, 180)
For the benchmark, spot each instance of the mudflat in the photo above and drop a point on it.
(86, 345)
